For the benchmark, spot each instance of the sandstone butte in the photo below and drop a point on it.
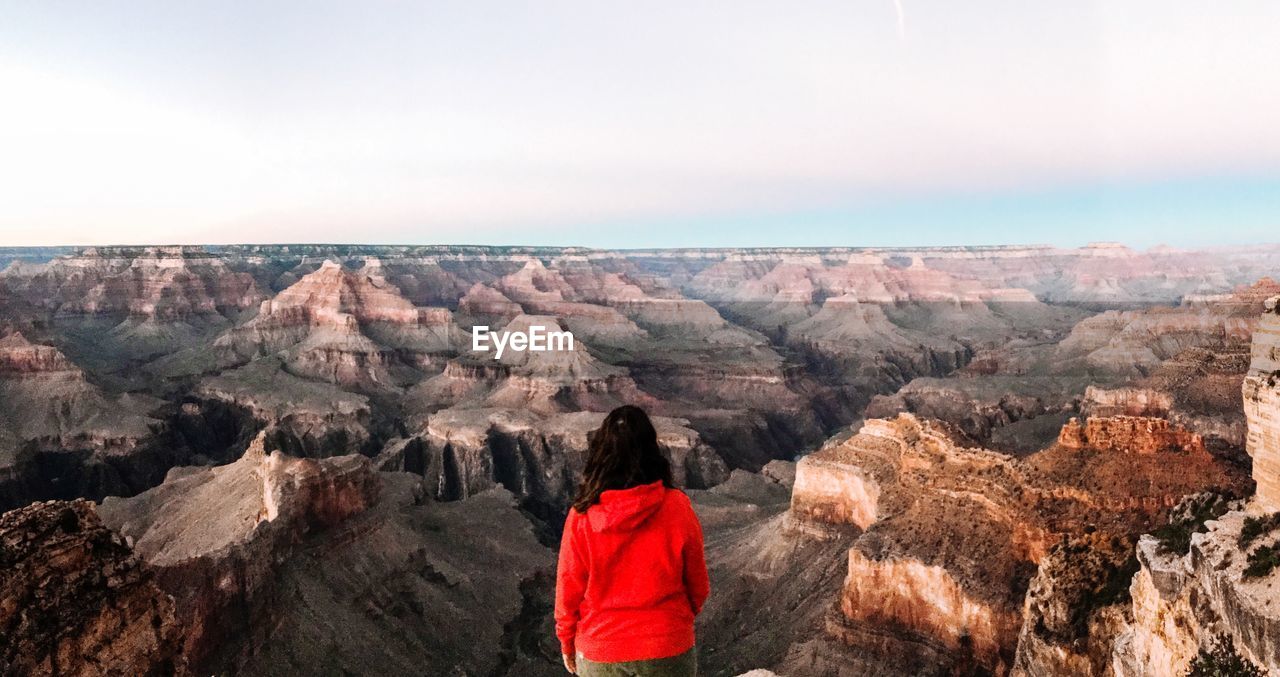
(1129, 434)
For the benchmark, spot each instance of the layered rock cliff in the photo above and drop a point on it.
(136, 302)
(566, 378)
(303, 417)
(1185, 602)
(161, 283)
(1136, 342)
(1262, 406)
(1182, 363)
(298, 566)
(1221, 589)
(539, 459)
(62, 436)
(947, 540)
(346, 327)
(250, 515)
(1002, 411)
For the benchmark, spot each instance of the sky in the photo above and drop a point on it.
(654, 124)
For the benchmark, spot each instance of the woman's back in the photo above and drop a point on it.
(641, 551)
(631, 574)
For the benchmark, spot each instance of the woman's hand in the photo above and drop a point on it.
(570, 663)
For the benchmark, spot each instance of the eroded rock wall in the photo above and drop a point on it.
(539, 459)
(927, 599)
(1262, 406)
(1182, 603)
(1130, 434)
(832, 490)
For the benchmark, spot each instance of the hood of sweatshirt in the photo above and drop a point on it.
(626, 509)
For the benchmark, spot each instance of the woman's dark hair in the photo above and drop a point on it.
(623, 453)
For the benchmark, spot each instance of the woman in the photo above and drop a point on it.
(631, 576)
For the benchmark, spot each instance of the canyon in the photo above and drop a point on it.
(989, 460)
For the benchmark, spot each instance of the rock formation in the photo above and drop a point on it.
(1201, 582)
(154, 283)
(539, 459)
(1262, 407)
(75, 600)
(903, 570)
(304, 565)
(948, 538)
(290, 558)
(345, 327)
(1126, 401)
(410, 586)
(1135, 342)
(60, 435)
(1130, 435)
(137, 302)
(544, 291)
(1017, 414)
(250, 514)
(1183, 602)
(547, 381)
(302, 417)
(485, 305)
(1183, 363)
(1074, 606)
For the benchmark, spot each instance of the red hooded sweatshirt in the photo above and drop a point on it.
(631, 576)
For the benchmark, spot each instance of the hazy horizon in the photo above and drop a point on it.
(532, 246)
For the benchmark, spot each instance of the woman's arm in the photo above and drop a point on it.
(571, 584)
(696, 582)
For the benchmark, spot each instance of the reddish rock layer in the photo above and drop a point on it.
(1130, 434)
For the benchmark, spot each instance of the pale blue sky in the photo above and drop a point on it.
(640, 124)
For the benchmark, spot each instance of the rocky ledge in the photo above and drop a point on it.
(248, 514)
(74, 600)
